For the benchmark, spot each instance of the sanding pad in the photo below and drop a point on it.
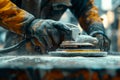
(72, 54)
(73, 48)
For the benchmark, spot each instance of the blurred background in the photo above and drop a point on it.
(109, 10)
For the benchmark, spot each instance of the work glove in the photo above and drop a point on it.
(103, 41)
(49, 33)
(97, 30)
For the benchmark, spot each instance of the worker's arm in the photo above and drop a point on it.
(14, 18)
(47, 33)
(87, 14)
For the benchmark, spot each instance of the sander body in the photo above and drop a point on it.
(80, 45)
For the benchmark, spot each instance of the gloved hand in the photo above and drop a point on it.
(49, 33)
(103, 41)
(97, 30)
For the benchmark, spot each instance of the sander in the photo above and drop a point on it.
(71, 48)
(82, 45)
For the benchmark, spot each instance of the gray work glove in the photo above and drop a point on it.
(49, 33)
(103, 41)
(97, 30)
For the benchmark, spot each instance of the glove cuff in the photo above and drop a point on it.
(26, 24)
(32, 27)
(96, 32)
(96, 28)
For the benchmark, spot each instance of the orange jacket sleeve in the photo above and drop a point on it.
(14, 18)
(87, 14)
